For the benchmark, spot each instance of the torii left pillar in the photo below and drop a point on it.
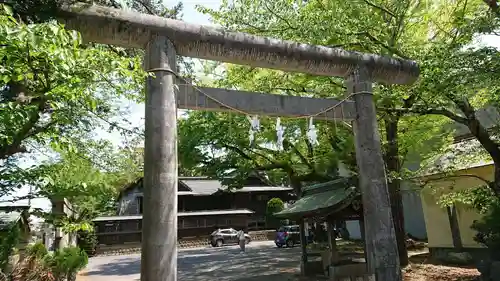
(159, 225)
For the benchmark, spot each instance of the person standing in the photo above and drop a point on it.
(241, 236)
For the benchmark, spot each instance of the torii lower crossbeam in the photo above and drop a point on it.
(214, 99)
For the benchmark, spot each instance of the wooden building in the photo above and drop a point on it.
(201, 194)
(203, 205)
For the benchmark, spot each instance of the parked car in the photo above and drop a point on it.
(289, 236)
(227, 236)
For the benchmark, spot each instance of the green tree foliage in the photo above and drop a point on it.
(9, 239)
(217, 144)
(420, 30)
(51, 86)
(488, 230)
(54, 91)
(91, 190)
(87, 241)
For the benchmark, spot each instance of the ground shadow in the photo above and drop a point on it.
(426, 258)
(118, 266)
(230, 264)
(261, 262)
(209, 264)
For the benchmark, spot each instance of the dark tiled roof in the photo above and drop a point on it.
(205, 186)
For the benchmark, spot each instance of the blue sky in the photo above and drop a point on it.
(136, 114)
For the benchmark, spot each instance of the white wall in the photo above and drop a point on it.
(413, 215)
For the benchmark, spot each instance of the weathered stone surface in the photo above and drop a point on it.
(380, 237)
(131, 29)
(210, 99)
(159, 222)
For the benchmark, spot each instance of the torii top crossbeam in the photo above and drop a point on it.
(133, 30)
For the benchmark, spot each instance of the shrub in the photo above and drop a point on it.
(87, 241)
(273, 206)
(9, 238)
(66, 263)
(37, 250)
(40, 265)
(488, 230)
(32, 267)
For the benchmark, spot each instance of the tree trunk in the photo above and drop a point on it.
(484, 138)
(454, 227)
(496, 181)
(394, 184)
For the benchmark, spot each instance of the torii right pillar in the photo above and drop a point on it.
(380, 238)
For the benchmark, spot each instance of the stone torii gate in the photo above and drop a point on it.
(164, 38)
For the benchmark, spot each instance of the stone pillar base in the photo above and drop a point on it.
(353, 271)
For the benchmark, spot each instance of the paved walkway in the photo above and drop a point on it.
(222, 264)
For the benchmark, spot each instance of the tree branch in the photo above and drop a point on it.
(24, 132)
(493, 5)
(446, 177)
(384, 45)
(273, 166)
(248, 157)
(385, 10)
(297, 152)
(279, 17)
(312, 177)
(146, 6)
(429, 111)
(237, 150)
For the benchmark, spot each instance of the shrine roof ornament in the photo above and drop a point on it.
(133, 30)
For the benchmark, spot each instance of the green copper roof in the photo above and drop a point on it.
(321, 199)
